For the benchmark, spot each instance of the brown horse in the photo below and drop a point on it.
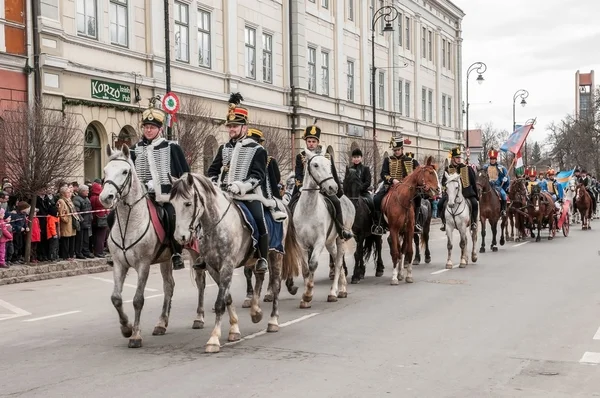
(398, 209)
(583, 203)
(541, 208)
(517, 195)
(489, 210)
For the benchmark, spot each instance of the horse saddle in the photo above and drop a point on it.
(370, 203)
(159, 219)
(328, 203)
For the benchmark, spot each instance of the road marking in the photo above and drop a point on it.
(264, 331)
(444, 270)
(597, 335)
(51, 316)
(146, 298)
(590, 358)
(521, 244)
(124, 284)
(17, 312)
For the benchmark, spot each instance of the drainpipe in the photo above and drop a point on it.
(292, 86)
(37, 72)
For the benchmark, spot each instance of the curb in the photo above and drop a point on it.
(32, 273)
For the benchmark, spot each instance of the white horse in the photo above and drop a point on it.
(289, 188)
(134, 243)
(315, 227)
(570, 192)
(226, 244)
(458, 216)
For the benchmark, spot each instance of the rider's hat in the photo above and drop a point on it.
(493, 154)
(530, 172)
(236, 114)
(410, 155)
(153, 116)
(256, 134)
(357, 152)
(551, 172)
(396, 143)
(312, 131)
(456, 152)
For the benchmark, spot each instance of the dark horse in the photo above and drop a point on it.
(517, 194)
(583, 204)
(489, 210)
(540, 209)
(423, 242)
(362, 227)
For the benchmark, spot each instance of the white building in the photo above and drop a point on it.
(223, 46)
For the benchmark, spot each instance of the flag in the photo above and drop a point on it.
(563, 178)
(516, 139)
(519, 166)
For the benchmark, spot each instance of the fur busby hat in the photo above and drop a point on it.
(357, 152)
(153, 116)
(236, 115)
(396, 143)
(493, 154)
(256, 134)
(312, 131)
(456, 152)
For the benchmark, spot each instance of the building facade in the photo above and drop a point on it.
(584, 94)
(293, 61)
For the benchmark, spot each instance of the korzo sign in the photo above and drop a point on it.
(111, 91)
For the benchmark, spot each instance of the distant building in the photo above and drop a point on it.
(584, 94)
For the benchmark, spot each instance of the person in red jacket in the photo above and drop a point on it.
(100, 222)
(36, 236)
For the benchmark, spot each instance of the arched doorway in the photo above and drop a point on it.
(92, 153)
(127, 136)
(209, 151)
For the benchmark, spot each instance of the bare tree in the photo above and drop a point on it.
(278, 143)
(194, 125)
(491, 138)
(366, 147)
(39, 147)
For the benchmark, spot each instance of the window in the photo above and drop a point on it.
(312, 69)
(407, 99)
(430, 45)
(423, 103)
(325, 73)
(351, 81)
(443, 53)
(449, 103)
(407, 32)
(325, 3)
(430, 106)
(118, 22)
(181, 16)
(400, 31)
(381, 90)
(449, 58)
(250, 40)
(400, 98)
(423, 39)
(86, 18)
(443, 109)
(351, 10)
(203, 38)
(267, 58)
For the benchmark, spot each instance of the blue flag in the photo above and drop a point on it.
(563, 178)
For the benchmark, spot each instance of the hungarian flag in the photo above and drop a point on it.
(519, 167)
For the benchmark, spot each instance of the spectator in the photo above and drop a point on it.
(9, 242)
(12, 198)
(82, 239)
(45, 203)
(434, 207)
(52, 234)
(4, 201)
(19, 227)
(4, 237)
(69, 223)
(100, 223)
(36, 237)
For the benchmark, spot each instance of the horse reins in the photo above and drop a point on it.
(194, 229)
(319, 183)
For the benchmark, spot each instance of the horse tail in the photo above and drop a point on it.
(293, 258)
(370, 246)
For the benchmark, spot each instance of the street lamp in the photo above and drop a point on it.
(389, 15)
(523, 94)
(480, 68)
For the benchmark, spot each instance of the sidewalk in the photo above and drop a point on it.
(42, 271)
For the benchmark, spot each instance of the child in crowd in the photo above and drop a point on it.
(36, 236)
(9, 243)
(5, 235)
(52, 234)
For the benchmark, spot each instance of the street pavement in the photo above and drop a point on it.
(522, 322)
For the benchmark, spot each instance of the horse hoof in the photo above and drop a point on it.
(268, 298)
(409, 279)
(416, 262)
(462, 265)
(212, 348)
(427, 260)
(256, 317)
(550, 238)
(331, 298)
(293, 290)
(234, 337)
(395, 282)
(538, 239)
(502, 241)
(494, 249)
(342, 294)
(272, 328)
(449, 266)
(159, 331)
(354, 280)
(379, 273)
(304, 304)
(474, 258)
(247, 303)
(127, 331)
(482, 250)
(198, 325)
(135, 343)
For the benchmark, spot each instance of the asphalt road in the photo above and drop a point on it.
(521, 322)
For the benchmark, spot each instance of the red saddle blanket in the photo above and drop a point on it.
(160, 229)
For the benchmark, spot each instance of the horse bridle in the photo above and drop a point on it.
(319, 183)
(194, 229)
(126, 182)
(456, 197)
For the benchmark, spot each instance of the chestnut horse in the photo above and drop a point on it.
(583, 203)
(398, 210)
(489, 210)
(541, 208)
(517, 195)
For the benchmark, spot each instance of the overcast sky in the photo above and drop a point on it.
(536, 45)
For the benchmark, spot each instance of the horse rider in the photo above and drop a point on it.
(312, 137)
(240, 166)
(364, 175)
(155, 160)
(554, 189)
(469, 184)
(498, 176)
(394, 169)
(587, 183)
(532, 179)
(273, 176)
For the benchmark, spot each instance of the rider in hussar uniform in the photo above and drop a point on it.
(532, 181)
(155, 160)
(498, 176)
(586, 180)
(273, 176)
(554, 189)
(312, 137)
(394, 169)
(468, 179)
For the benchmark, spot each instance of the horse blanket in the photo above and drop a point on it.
(275, 229)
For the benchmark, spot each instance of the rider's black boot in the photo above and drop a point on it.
(503, 207)
(176, 258)
(263, 252)
(344, 234)
(418, 221)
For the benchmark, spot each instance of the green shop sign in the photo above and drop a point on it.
(111, 91)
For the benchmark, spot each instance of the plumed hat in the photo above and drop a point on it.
(256, 134)
(396, 143)
(456, 152)
(236, 115)
(153, 116)
(493, 154)
(312, 131)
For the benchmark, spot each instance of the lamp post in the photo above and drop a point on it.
(389, 14)
(523, 94)
(167, 58)
(480, 68)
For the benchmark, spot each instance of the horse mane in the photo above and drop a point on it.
(179, 186)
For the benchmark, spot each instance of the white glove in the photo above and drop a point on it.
(150, 185)
(505, 179)
(234, 189)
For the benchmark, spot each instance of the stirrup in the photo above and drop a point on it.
(377, 230)
(177, 261)
(262, 269)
